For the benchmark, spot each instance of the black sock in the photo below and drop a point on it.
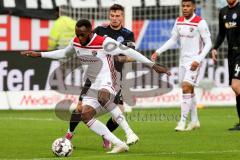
(111, 125)
(238, 106)
(75, 119)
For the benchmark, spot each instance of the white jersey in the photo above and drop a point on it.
(98, 55)
(191, 33)
(100, 70)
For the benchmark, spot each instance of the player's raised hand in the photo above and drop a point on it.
(194, 66)
(31, 53)
(214, 55)
(154, 56)
(161, 69)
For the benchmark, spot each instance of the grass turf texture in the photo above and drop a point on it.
(29, 135)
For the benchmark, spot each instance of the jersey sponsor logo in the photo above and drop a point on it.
(234, 16)
(237, 69)
(120, 39)
(230, 25)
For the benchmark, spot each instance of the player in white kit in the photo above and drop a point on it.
(97, 52)
(195, 43)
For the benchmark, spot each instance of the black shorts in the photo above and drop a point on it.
(118, 98)
(234, 71)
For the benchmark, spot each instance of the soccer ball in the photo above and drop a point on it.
(62, 147)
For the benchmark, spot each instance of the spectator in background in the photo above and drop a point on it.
(61, 32)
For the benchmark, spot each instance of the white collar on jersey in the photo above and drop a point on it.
(94, 36)
(188, 20)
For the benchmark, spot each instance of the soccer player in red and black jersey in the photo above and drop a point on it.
(229, 26)
(116, 31)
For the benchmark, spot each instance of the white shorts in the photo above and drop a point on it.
(93, 102)
(187, 75)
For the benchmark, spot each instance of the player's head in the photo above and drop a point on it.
(83, 31)
(188, 8)
(116, 16)
(232, 3)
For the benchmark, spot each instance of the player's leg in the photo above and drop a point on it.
(184, 111)
(111, 123)
(74, 120)
(193, 111)
(235, 84)
(76, 114)
(193, 80)
(117, 114)
(188, 79)
(90, 109)
(186, 104)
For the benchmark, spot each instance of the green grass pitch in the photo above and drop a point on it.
(29, 135)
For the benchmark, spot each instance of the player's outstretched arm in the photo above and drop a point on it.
(161, 69)
(123, 59)
(31, 53)
(169, 44)
(118, 48)
(57, 54)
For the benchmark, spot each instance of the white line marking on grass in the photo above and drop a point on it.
(27, 119)
(135, 154)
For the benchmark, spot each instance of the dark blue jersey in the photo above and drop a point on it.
(122, 35)
(229, 26)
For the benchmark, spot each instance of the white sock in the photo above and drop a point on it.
(185, 106)
(68, 131)
(100, 129)
(194, 114)
(121, 120)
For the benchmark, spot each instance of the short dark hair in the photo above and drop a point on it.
(115, 7)
(193, 1)
(84, 22)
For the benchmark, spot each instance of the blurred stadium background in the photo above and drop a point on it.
(24, 82)
(25, 25)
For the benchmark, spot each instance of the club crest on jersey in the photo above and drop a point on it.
(120, 39)
(191, 29)
(234, 16)
(94, 53)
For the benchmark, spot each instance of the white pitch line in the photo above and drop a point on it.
(140, 154)
(27, 119)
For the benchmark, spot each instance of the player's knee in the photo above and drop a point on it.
(87, 115)
(103, 97)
